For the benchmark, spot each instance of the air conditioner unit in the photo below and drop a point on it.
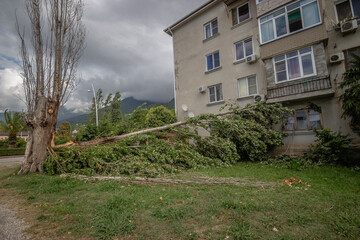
(259, 98)
(337, 58)
(202, 89)
(251, 59)
(349, 26)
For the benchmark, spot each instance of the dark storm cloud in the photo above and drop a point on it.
(126, 51)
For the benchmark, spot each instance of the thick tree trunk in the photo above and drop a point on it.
(40, 137)
(36, 150)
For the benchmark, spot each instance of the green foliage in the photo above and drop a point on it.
(109, 110)
(63, 134)
(330, 147)
(216, 147)
(250, 128)
(20, 143)
(136, 119)
(351, 96)
(12, 151)
(145, 155)
(115, 108)
(159, 116)
(289, 162)
(13, 124)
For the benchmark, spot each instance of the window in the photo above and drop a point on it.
(294, 65)
(347, 9)
(240, 13)
(290, 19)
(259, 1)
(247, 86)
(348, 58)
(303, 120)
(215, 93)
(211, 28)
(212, 61)
(243, 49)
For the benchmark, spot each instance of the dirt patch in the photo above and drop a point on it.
(194, 180)
(11, 228)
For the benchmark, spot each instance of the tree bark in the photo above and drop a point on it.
(12, 140)
(40, 137)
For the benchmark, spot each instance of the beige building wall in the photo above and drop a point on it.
(190, 50)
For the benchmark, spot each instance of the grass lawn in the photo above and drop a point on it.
(327, 207)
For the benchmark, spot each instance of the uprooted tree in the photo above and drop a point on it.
(49, 70)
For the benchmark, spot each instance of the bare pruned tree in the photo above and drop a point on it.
(49, 71)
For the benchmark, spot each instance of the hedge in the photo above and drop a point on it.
(12, 151)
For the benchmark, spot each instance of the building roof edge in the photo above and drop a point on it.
(169, 29)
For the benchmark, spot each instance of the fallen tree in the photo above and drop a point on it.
(115, 138)
(239, 135)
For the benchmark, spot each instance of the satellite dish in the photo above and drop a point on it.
(191, 115)
(184, 107)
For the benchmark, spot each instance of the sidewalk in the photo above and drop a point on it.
(10, 161)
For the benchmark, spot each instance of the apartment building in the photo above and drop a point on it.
(289, 51)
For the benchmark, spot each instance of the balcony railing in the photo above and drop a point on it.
(305, 86)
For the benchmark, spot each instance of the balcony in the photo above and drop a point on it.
(305, 88)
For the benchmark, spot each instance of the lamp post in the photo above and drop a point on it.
(96, 109)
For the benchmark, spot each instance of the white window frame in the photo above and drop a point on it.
(213, 58)
(341, 1)
(243, 41)
(287, 21)
(211, 28)
(237, 12)
(300, 65)
(216, 97)
(247, 86)
(258, 1)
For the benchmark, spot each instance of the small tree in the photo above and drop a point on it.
(159, 116)
(12, 125)
(64, 131)
(351, 96)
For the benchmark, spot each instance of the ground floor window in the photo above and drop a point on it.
(303, 120)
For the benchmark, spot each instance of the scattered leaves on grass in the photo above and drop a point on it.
(290, 181)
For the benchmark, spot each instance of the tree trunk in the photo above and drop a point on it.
(12, 141)
(40, 137)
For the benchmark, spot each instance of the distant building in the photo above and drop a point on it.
(289, 51)
(5, 135)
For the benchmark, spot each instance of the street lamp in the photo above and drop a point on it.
(96, 109)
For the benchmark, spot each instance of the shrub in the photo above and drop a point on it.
(215, 147)
(159, 116)
(289, 162)
(330, 147)
(12, 151)
(20, 143)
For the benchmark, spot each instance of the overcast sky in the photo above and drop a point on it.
(126, 50)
